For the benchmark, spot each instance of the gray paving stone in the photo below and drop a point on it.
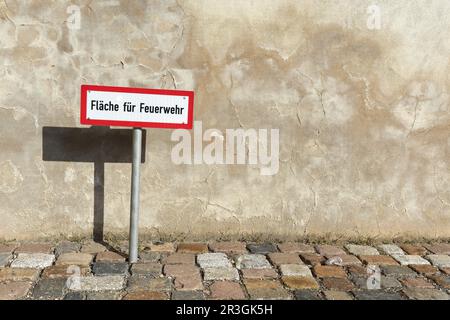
(213, 260)
(425, 294)
(5, 258)
(147, 269)
(262, 248)
(295, 270)
(67, 247)
(74, 295)
(391, 249)
(439, 260)
(149, 256)
(397, 271)
(252, 261)
(104, 295)
(139, 283)
(188, 295)
(307, 295)
(103, 283)
(405, 260)
(33, 260)
(377, 295)
(50, 289)
(359, 250)
(217, 274)
(389, 283)
(107, 268)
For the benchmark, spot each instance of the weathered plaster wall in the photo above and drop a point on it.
(363, 115)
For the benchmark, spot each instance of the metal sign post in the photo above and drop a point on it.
(137, 108)
(134, 210)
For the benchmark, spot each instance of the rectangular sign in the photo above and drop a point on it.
(136, 107)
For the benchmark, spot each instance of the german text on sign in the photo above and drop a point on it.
(136, 107)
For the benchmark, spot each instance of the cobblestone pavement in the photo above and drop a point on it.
(225, 270)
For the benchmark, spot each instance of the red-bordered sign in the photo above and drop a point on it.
(153, 108)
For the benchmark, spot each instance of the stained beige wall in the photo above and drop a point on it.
(363, 115)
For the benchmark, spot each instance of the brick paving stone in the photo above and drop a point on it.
(149, 284)
(179, 258)
(438, 248)
(262, 248)
(75, 258)
(252, 261)
(75, 296)
(441, 280)
(188, 295)
(357, 271)
(329, 251)
(390, 249)
(278, 258)
(424, 269)
(226, 290)
(33, 260)
(14, 290)
(229, 247)
(93, 247)
(109, 256)
(62, 271)
(329, 271)
(295, 270)
(213, 274)
(107, 268)
(293, 247)
(167, 247)
(150, 256)
(418, 282)
(414, 249)
(266, 290)
(376, 295)
(397, 271)
(312, 258)
(299, 283)
(213, 260)
(5, 258)
(307, 295)
(7, 248)
(35, 248)
(337, 295)
(146, 295)
(18, 274)
(192, 247)
(103, 283)
(359, 250)
(49, 289)
(446, 270)
(146, 269)
(67, 247)
(425, 294)
(378, 260)
(259, 274)
(410, 259)
(103, 295)
(187, 277)
(343, 260)
(439, 260)
(339, 284)
(360, 282)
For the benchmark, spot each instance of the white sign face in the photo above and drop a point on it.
(118, 106)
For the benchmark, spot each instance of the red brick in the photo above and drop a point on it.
(441, 280)
(266, 289)
(424, 268)
(187, 277)
(293, 247)
(329, 251)
(348, 259)
(63, 272)
(329, 271)
(180, 258)
(339, 284)
(278, 258)
(146, 295)
(312, 258)
(226, 290)
(439, 248)
(446, 270)
(161, 247)
(411, 282)
(18, 274)
(192, 248)
(109, 256)
(358, 271)
(379, 260)
(7, 248)
(14, 290)
(259, 273)
(414, 249)
(229, 247)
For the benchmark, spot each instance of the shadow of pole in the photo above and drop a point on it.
(97, 145)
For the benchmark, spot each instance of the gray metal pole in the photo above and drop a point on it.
(135, 179)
